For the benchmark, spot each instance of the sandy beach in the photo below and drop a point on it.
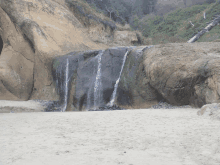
(129, 137)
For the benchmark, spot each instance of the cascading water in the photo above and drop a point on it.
(98, 83)
(66, 86)
(111, 103)
(62, 77)
(97, 86)
(88, 73)
(88, 98)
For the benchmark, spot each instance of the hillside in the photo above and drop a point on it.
(176, 27)
(170, 21)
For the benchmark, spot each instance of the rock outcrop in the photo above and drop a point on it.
(135, 90)
(185, 73)
(83, 74)
(180, 74)
(33, 32)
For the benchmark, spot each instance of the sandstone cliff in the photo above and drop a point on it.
(35, 31)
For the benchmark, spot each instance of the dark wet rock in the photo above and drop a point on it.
(50, 106)
(165, 105)
(54, 106)
(107, 108)
(111, 61)
(65, 74)
(134, 89)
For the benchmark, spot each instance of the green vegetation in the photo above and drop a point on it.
(175, 26)
(90, 14)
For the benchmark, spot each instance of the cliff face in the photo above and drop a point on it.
(138, 77)
(49, 54)
(100, 28)
(32, 33)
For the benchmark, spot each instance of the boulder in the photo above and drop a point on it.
(210, 110)
(185, 73)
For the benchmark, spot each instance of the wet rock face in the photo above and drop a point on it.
(134, 89)
(65, 73)
(63, 69)
(111, 62)
(165, 105)
(86, 80)
(106, 108)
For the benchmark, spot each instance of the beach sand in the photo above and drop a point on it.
(127, 137)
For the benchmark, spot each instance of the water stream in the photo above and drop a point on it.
(98, 83)
(66, 86)
(111, 103)
(93, 88)
(97, 86)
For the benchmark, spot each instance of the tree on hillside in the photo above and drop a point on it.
(149, 6)
(184, 1)
(124, 9)
(144, 7)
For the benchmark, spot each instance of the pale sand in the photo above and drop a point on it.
(140, 137)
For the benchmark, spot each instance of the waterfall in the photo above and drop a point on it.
(66, 86)
(97, 86)
(98, 83)
(116, 84)
(90, 87)
(89, 98)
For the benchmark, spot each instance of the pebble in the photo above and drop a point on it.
(53, 106)
(165, 105)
